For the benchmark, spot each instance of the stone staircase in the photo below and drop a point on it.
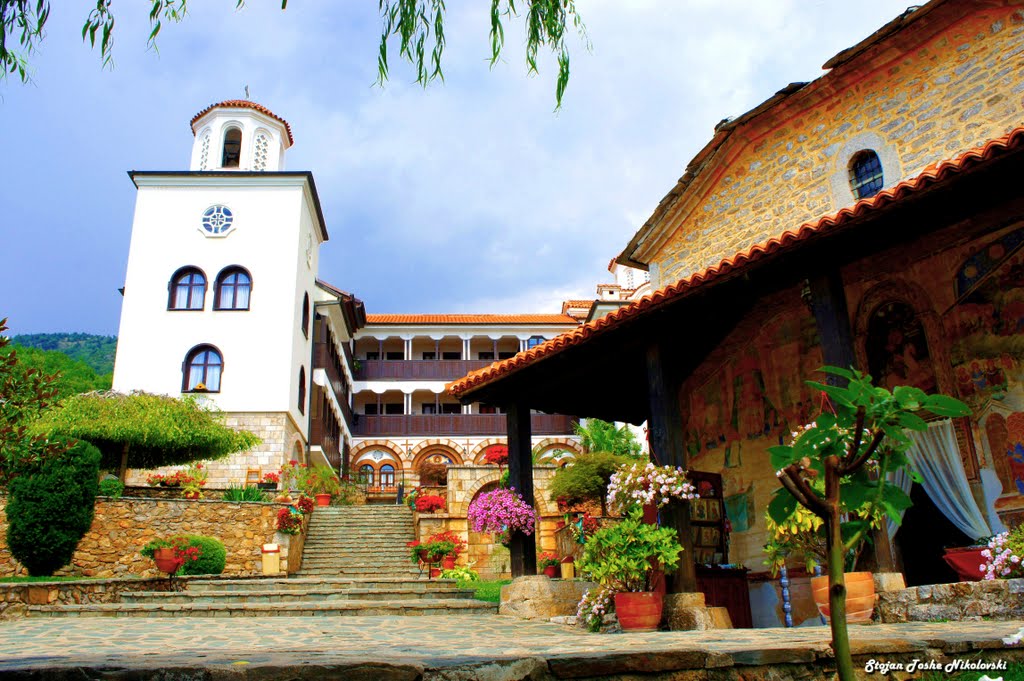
(355, 563)
(359, 542)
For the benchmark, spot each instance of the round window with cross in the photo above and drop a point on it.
(218, 220)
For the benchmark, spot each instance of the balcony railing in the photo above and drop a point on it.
(322, 360)
(327, 441)
(456, 424)
(418, 369)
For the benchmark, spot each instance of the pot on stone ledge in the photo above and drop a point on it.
(639, 610)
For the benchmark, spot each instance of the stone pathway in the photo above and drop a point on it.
(488, 647)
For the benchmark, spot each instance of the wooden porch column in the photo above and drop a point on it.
(665, 427)
(832, 316)
(520, 477)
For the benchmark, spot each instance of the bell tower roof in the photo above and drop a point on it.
(243, 104)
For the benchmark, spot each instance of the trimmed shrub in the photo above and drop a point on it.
(51, 509)
(111, 487)
(212, 556)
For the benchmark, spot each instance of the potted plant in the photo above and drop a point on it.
(548, 564)
(170, 555)
(837, 468)
(270, 481)
(419, 552)
(1004, 555)
(322, 483)
(456, 543)
(649, 487)
(304, 504)
(289, 520)
(501, 512)
(429, 503)
(620, 557)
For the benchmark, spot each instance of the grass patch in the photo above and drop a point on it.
(17, 580)
(485, 591)
(1014, 670)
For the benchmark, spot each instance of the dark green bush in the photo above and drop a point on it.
(51, 509)
(111, 487)
(586, 478)
(212, 556)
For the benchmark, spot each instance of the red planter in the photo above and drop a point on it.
(166, 561)
(639, 611)
(424, 556)
(966, 562)
(650, 514)
(323, 499)
(448, 562)
(551, 571)
(435, 572)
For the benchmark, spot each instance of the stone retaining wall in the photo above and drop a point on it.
(1000, 599)
(121, 527)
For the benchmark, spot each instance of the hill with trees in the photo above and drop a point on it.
(96, 351)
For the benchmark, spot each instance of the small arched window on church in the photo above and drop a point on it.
(865, 174)
(302, 390)
(305, 315)
(366, 474)
(387, 476)
(232, 148)
(233, 287)
(202, 371)
(187, 289)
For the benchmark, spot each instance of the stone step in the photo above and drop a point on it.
(293, 596)
(340, 608)
(361, 552)
(358, 574)
(301, 584)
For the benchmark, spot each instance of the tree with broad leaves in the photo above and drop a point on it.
(417, 26)
(601, 436)
(141, 430)
(838, 466)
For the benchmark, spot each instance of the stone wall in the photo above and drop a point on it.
(120, 528)
(279, 434)
(945, 84)
(999, 599)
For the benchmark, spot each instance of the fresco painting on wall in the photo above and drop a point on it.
(897, 348)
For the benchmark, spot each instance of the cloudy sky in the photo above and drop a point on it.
(471, 196)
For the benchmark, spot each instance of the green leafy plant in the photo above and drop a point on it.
(439, 550)
(837, 466)
(52, 508)
(111, 487)
(586, 478)
(321, 480)
(212, 555)
(620, 556)
(461, 573)
(244, 493)
(547, 560)
(601, 436)
(799, 536)
(143, 430)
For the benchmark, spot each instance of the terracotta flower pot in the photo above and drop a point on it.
(323, 499)
(551, 571)
(435, 572)
(166, 560)
(860, 595)
(448, 562)
(639, 611)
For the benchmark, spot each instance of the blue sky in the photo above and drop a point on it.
(470, 196)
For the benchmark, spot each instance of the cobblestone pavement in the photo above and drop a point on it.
(422, 643)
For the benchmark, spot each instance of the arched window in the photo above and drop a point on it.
(387, 475)
(865, 174)
(232, 148)
(203, 368)
(302, 390)
(188, 290)
(366, 474)
(305, 315)
(233, 287)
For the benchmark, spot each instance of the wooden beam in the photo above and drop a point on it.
(832, 316)
(665, 426)
(520, 477)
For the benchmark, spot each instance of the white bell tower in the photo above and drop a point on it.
(239, 135)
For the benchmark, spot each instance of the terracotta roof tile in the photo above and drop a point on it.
(469, 319)
(932, 174)
(243, 104)
(578, 303)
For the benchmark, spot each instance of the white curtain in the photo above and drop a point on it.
(901, 479)
(935, 456)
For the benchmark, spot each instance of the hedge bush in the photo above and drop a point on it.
(212, 556)
(51, 509)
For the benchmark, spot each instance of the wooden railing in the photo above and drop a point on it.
(456, 424)
(328, 442)
(322, 360)
(418, 369)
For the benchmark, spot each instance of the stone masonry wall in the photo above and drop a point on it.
(120, 528)
(998, 599)
(960, 88)
(279, 435)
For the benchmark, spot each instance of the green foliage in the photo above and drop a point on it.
(462, 574)
(212, 556)
(419, 25)
(601, 436)
(620, 556)
(246, 493)
(156, 430)
(51, 509)
(111, 487)
(489, 590)
(96, 351)
(27, 394)
(586, 478)
(73, 376)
